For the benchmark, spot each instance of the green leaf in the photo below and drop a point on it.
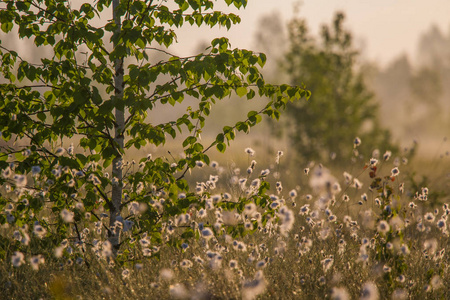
(241, 91)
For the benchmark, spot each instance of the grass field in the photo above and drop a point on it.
(375, 230)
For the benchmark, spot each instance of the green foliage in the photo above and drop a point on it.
(96, 95)
(341, 105)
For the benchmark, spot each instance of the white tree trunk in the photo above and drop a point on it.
(116, 197)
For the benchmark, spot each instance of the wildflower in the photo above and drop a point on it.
(348, 177)
(35, 261)
(442, 224)
(327, 263)
(261, 264)
(279, 155)
(144, 242)
(67, 215)
(17, 259)
(249, 151)
(39, 231)
(387, 155)
(60, 151)
(356, 142)
(233, 264)
(199, 163)
(178, 291)
(255, 183)
(377, 202)
(395, 171)
(373, 162)
(306, 171)
(186, 264)
(399, 294)
(20, 180)
(35, 170)
(287, 220)
(356, 184)
(251, 289)
(125, 273)
(339, 294)
(70, 149)
(265, 172)
(369, 291)
(404, 249)
(201, 213)
(293, 193)
(429, 217)
(322, 280)
(383, 227)
(207, 233)
(321, 179)
(436, 282)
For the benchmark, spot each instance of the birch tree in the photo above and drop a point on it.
(68, 120)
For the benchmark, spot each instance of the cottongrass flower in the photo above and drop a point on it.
(287, 220)
(39, 231)
(107, 249)
(166, 274)
(399, 294)
(20, 180)
(387, 155)
(356, 184)
(17, 259)
(339, 293)
(395, 171)
(178, 291)
(233, 264)
(327, 263)
(279, 155)
(369, 291)
(293, 193)
(348, 177)
(60, 151)
(6, 172)
(250, 151)
(383, 227)
(67, 215)
(429, 217)
(36, 260)
(261, 264)
(125, 273)
(265, 172)
(251, 289)
(186, 264)
(404, 249)
(35, 170)
(321, 179)
(207, 233)
(436, 282)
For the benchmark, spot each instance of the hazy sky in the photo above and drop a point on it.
(387, 28)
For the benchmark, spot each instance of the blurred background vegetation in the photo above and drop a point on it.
(388, 107)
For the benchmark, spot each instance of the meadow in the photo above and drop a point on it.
(373, 228)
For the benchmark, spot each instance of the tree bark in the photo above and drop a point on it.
(117, 164)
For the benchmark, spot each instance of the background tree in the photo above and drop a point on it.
(78, 112)
(341, 106)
